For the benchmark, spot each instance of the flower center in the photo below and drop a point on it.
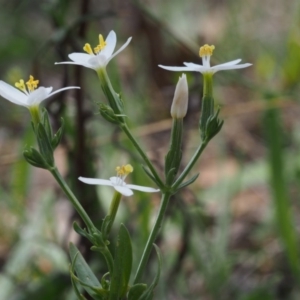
(102, 44)
(206, 50)
(31, 85)
(123, 171)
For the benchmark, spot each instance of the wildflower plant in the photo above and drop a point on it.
(115, 284)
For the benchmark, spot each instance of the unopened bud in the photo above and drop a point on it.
(180, 100)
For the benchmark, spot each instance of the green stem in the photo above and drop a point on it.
(110, 218)
(208, 84)
(72, 198)
(117, 105)
(109, 259)
(113, 98)
(173, 157)
(126, 130)
(190, 165)
(207, 108)
(283, 208)
(152, 237)
(89, 224)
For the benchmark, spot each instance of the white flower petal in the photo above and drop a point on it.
(38, 95)
(124, 190)
(196, 68)
(176, 68)
(63, 89)
(119, 50)
(192, 65)
(218, 68)
(12, 94)
(74, 63)
(78, 57)
(111, 42)
(142, 188)
(98, 62)
(230, 63)
(96, 181)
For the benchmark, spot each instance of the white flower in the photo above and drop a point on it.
(117, 182)
(100, 56)
(180, 100)
(30, 96)
(206, 52)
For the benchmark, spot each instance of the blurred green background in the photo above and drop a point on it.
(234, 233)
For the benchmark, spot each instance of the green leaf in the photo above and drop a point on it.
(58, 135)
(34, 158)
(150, 175)
(122, 265)
(85, 275)
(148, 294)
(46, 124)
(170, 175)
(188, 182)
(80, 231)
(108, 114)
(44, 144)
(74, 284)
(213, 126)
(136, 291)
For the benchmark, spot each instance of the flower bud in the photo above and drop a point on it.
(180, 100)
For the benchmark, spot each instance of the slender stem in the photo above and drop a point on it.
(112, 213)
(109, 259)
(116, 104)
(190, 165)
(72, 198)
(208, 85)
(173, 157)
(126, 130)
(152, 237)
(103, 250)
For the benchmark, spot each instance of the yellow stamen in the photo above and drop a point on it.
(124, 170)
(21, 85)
(87, 48)
(206, 50)
(32, 84)
(101, 45)
(102, 42)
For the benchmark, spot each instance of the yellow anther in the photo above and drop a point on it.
(101, 45)
(124, 170)
(206, 50)
(87, 48)
(21, 85)
(32, 84)
(102, 42)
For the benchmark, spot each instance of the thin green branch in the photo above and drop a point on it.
(152, 237)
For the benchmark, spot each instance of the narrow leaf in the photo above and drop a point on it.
(33, 157)
(46, 123)
(122, 265)
(83, 271)
(44, 144)
(188, 182)
(150, 175)
(58, 135)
